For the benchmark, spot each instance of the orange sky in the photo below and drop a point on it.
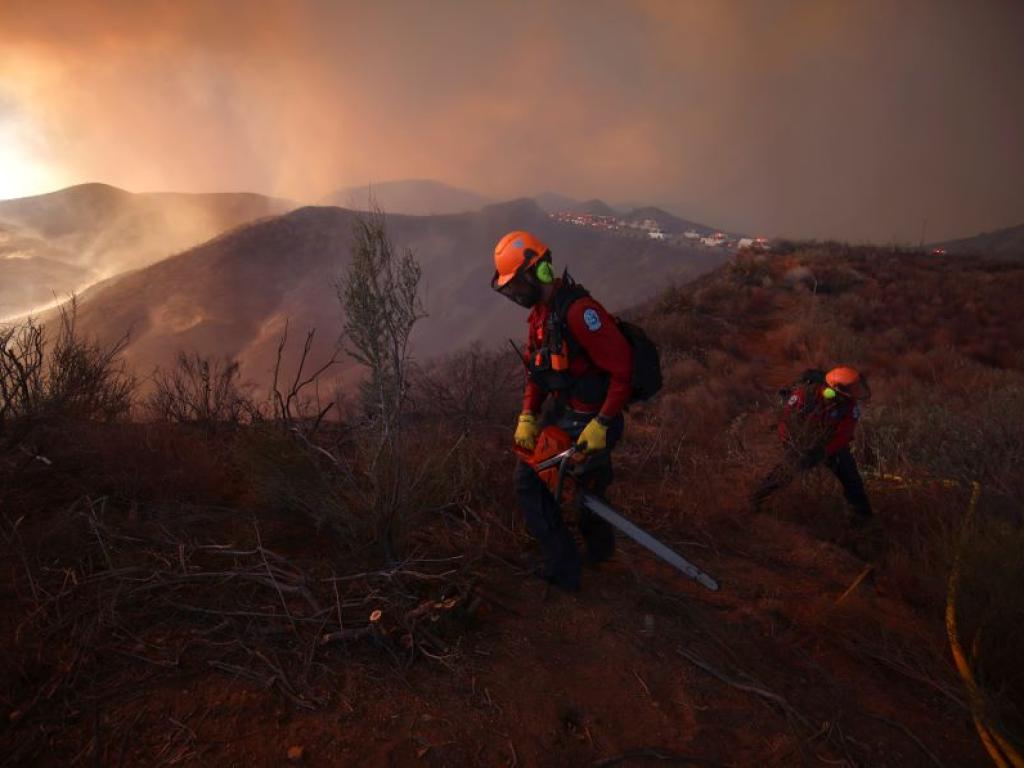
(849, 120)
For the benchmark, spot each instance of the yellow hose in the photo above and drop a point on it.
(1002, 752)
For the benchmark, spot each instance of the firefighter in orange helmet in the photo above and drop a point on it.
(818, 423)
(577, 355)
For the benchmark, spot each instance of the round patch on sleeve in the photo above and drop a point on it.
(592, 319)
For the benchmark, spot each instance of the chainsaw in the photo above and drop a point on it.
(558, 462)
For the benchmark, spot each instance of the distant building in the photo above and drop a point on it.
(745, 242)
(656, 234)
(691, 234)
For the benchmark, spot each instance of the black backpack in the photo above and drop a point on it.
(646, 361)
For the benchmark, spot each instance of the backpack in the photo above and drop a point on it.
(646, 361)
(647, 379)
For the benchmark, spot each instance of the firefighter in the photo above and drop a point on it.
(581, 365)
(817, 426)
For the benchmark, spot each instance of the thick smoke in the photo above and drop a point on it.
(856, 120)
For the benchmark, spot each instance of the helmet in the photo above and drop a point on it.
(516, 252)
(847, 381)
(842, 377)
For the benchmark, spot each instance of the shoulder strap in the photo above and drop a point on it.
(558, 326)
(569, 292)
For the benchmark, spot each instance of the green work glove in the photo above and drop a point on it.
(594, 437)
(526, 431)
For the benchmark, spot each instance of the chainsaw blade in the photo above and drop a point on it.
(644, 539)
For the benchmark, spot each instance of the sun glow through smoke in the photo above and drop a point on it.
(22, 174)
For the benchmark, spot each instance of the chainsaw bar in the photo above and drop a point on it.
(644, 539)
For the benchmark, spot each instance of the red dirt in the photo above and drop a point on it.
(571, 680)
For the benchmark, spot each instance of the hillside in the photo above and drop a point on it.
(1008, 242)
(208, 614)
(597, 207)
(667, 222)
(412, 197)
(233, 295)
(57, 243)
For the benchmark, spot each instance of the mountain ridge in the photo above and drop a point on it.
(233, 294)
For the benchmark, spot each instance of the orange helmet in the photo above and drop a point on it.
(848, 381)
(842, 376)
(515, 252)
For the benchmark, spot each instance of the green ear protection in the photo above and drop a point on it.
(828, 393)
(545, 273)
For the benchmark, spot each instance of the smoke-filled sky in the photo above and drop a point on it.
(871, 120)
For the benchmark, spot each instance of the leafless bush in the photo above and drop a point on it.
(294, 408)
(49, 372)
(201, 390)
(473, 387)
(379, 296)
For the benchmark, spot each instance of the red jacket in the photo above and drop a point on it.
(606, 352)
(838, 417)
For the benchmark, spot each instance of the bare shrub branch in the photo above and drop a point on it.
(201, 390)
(50, 372)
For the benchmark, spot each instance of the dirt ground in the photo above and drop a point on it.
(641, 668)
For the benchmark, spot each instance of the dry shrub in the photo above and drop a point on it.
(980, 437)
(749, 268)
(990, 616)
(289, 475)
(681, 373)
(199, 390)
(49, 373)
(472, 388)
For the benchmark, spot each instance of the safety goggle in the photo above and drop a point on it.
(517, 287)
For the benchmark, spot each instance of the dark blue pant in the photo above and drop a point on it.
(843, 466)
(562, 564)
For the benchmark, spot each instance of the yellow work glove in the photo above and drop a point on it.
(594, 437)
(526, 431)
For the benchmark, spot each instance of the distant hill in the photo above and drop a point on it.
(553, 202)
(232, 295)
(668, 222)
(63, 241)
(413, 197)
(597, 207)
(1000, 242)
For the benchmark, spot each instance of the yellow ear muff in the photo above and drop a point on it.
(545, 273)
(828, 393)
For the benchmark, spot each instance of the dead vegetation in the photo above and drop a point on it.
(262, 540)
(272, 545)
(941, 341)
